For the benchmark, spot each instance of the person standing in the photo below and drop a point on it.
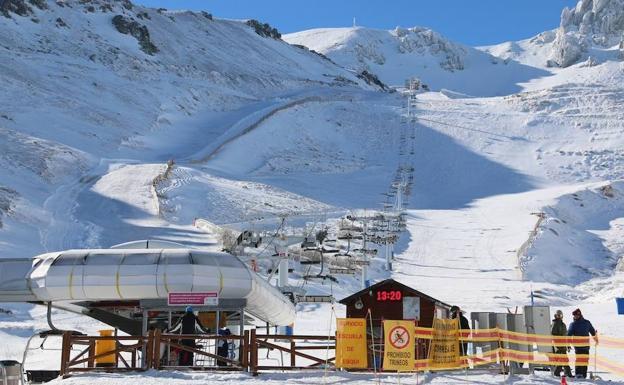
(559, 329)
(188, 324)
(223, 346)
(581, 327)
(463, 324)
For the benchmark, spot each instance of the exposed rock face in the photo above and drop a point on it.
(264, 30)
(372, 79)
(41, 4)
(140, 32)
(18, 7)
(590, 23)
(421, 40)
(7, 198)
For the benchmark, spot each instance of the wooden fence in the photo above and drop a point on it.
(316, 355)
(253, 352)
(127, 353)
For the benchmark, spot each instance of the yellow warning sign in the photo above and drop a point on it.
(351, 343)
(444, 348)
(399, 345)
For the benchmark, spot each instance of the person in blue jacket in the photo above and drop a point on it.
(581, 327)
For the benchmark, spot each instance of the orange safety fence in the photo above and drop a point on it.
(501, 335)
(504, 339)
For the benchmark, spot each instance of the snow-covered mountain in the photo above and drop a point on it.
(399, 54)
(84, 82)
(595, 28)
(120, 122)
(590, 33)
(100, 95)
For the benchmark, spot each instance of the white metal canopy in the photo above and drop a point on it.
(140, 274)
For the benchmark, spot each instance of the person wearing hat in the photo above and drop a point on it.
(463, 324)
(581, 327)
(188, 324)
(559, 329)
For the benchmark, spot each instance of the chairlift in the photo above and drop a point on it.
(38, 375)
(342, 270)
(249, 239)
(308, 242)
(322, 276)
(310, 262)
(369, 252)
(349, 236)
(313, 256)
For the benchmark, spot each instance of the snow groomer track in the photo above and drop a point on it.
(120, 274)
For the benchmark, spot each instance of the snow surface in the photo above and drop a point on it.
(317, 377)
(257, 128)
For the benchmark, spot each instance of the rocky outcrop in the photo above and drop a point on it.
(590, 23)
(7, 201)
(372, 79)
(423, 40)
(18, 7)
(264, 30)
(131, 27)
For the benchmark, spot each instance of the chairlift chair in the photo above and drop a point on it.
(41, 375)
(341, 270)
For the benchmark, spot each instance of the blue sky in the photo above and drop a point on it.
(474, 22)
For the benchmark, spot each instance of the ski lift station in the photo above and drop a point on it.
(137, 285)
(390, 299)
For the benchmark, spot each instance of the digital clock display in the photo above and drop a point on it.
(389, 295)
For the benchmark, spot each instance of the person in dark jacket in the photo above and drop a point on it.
(188, 324)
(223, 346)
(559, 329)
(581, 327)
(463, 324)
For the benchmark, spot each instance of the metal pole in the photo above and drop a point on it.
(216, 347)
(49, 317)
(364, 237)
(144, 333)
(364, 282)
(283, 272)
(241, 333)
(169, 346)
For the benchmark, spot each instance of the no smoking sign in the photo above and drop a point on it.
(399, 337)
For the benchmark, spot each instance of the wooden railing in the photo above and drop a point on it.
(137, 353)
(316, 356)
(159, 350)
(127, 353)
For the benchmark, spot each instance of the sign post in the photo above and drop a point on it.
(399, 345)
(210, 298)
(351, 343)
(444, 349)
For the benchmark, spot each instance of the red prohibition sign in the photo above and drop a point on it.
(399, 337)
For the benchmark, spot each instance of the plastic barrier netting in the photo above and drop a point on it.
(508, 344)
